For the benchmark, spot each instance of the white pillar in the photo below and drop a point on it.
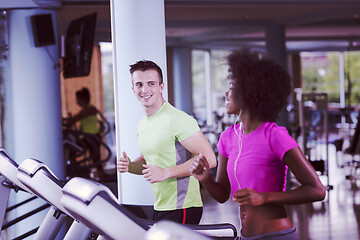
(33, 106)
(34, 94)
(138, 32)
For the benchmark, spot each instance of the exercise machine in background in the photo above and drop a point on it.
(314, 128)
(81, 149)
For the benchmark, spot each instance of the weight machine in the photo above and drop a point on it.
(313, 118)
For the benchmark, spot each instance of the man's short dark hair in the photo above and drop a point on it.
(144, 65)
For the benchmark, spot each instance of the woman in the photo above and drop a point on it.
(254, 155)
(89, 125)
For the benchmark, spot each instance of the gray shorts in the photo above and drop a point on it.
(286, 234)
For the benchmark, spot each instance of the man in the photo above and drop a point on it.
(169, 141)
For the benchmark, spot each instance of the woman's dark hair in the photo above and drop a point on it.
(144, 65)
(261, 86)
(83, 94)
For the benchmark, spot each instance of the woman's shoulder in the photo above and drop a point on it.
(279, 134)
(234, 128)
(273, 127)
(92, 110)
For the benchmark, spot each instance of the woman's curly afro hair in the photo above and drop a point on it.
(261, 86)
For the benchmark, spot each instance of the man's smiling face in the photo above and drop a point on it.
(147, 89)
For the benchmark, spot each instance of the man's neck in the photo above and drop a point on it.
(149, 111)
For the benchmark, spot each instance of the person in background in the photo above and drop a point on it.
(169, 141)
(89, 124)
(254, 155)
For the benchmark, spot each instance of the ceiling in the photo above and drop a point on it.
(310, 25)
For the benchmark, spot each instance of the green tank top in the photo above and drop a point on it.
(90, 124)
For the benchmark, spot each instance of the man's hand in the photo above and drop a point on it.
(123, 163)
(249, 197)
(154, 174)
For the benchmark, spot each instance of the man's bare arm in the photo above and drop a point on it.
(196, 144)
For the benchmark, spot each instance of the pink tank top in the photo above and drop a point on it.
(259, 166)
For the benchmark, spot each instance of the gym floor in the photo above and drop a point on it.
(337, 217)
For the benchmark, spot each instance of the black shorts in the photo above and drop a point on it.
(184, 216)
